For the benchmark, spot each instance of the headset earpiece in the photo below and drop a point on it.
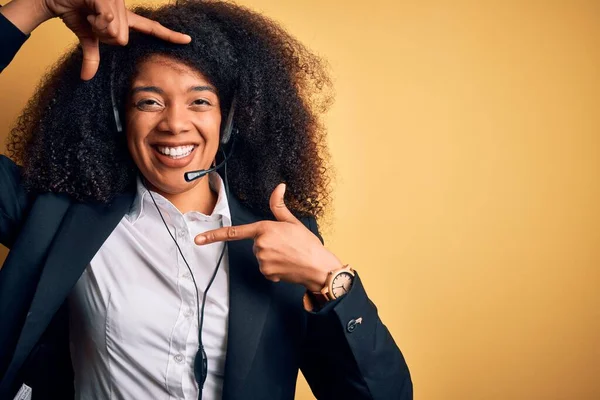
(227, 129)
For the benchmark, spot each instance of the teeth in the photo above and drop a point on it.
(176, 152)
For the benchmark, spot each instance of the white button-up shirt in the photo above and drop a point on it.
(133, 314)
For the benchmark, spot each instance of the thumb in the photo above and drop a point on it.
(278, 206)
(91, 57)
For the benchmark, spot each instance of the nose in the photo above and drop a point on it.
(175, 120)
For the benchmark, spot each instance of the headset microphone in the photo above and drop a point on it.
(193, 175)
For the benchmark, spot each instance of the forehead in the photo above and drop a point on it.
(161, 68)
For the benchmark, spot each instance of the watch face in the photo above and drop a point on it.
(341, 284)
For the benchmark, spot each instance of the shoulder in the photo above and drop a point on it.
(8, 166)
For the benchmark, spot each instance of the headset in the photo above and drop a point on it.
(228, 136)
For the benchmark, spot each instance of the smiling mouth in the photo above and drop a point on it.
(175, 152)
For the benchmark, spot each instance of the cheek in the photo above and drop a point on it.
(215, 130)
(135, 133)
(135, 145)
(209, 129)
(132, 143)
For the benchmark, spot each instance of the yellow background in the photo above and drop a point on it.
(466, 138)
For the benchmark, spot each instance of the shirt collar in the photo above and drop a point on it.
(142, 199)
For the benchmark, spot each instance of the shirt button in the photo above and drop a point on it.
(189, 312)
(181, 234)
(179, 358)
(187, 275)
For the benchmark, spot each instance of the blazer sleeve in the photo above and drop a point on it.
(13, 201)
(11, 40)
(342, 358)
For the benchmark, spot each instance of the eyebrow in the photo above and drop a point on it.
(156, 89)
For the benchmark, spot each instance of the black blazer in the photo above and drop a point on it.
(270, 336)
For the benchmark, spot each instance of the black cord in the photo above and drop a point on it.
(200, 310)
(178, 248)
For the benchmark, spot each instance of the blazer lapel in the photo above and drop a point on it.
(83, 230)
(249, 299)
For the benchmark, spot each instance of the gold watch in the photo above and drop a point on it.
(338, 283)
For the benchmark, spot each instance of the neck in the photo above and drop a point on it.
(199, 198)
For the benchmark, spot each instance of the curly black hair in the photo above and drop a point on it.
(67, 142)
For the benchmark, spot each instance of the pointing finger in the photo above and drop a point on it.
(226, 234)
(154, 28)
(278, 207)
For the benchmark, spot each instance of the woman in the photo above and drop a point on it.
(127, 280)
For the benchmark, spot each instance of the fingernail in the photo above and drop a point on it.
(200, 239)
(188, 37)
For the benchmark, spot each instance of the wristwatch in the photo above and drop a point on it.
(338, 283)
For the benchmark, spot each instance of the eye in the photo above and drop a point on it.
(201, 102)
(148, 105)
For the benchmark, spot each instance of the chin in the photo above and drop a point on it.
(165, 172)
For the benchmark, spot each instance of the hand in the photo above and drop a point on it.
(106, 21)
(92, 21)
(285, 249)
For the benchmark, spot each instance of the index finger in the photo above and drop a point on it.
(154, 28)
(229, 233)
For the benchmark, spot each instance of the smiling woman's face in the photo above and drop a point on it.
(173, 119)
